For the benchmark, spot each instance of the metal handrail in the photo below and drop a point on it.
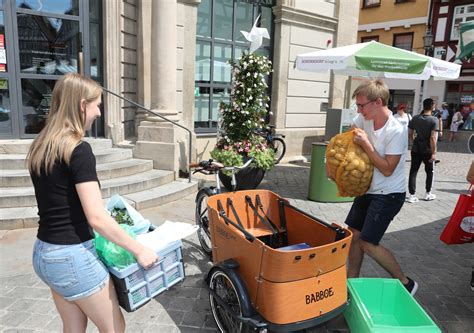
(162, 117)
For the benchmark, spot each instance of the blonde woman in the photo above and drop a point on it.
(63, 171)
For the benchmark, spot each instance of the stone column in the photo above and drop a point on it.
(157, 138)
(163, 59)
(144, 56)
(281, 55)
(112, 51)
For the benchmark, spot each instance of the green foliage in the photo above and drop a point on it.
(245, 113)
(121, 216)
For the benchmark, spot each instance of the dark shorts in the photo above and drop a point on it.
(371, 214)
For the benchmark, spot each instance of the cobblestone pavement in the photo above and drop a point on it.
(443, 272)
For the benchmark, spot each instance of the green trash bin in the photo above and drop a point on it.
(320, 187)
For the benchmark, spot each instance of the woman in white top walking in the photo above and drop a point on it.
(401, 115)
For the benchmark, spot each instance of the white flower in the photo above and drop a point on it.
(231, 124)
(250, 97)
(248, 74)
(255, 75)
(243, 104)
(271, 113)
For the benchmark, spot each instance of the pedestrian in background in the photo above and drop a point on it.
(423, 150)
(402, 116)
(63, 171)
(444, 114)
(456, 122)
(437, 114)
(470, 118)
(385, 142)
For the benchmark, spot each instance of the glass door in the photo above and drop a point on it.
(39, 42)
(8, 119)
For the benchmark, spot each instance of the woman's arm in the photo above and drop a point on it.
(100, 221)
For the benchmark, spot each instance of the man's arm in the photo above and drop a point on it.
(386, 165)
(411, 135)
(433, 140)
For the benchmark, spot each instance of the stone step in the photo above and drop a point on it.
(18, 161)
(163, 194)
(22, 146)
(27, 217)
(21, 177)
(25, 196)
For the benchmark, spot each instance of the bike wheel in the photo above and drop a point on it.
(222, 285)
(279, 147)
(202, 221)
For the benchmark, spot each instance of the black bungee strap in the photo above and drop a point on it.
(270, 225)
(227, 220)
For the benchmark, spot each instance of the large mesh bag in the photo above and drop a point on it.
(348, 165)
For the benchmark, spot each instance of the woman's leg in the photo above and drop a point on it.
(74, 320)
(103, 309)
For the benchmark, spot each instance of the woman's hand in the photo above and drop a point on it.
(146, 258)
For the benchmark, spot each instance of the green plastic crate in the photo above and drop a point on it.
(383, 306)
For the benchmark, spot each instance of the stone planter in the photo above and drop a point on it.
(247, 179)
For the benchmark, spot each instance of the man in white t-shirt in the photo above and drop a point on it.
(385, 141)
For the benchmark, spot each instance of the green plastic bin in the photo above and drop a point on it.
(385, 306)
(320, 187)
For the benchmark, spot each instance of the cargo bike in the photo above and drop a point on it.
(275, 267)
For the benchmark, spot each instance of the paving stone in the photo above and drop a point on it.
(37, 321)
(5, 302)
(14, 318)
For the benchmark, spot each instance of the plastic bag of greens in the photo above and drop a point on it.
(122, 212)
(110, 253)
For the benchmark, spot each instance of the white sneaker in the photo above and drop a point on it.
(429, 196)
(412, 198)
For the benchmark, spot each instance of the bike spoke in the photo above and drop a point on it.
(204, 212)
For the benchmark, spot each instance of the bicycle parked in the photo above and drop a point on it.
(209, 167)
(274, 140)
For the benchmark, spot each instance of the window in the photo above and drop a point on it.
(461, 14)
(370, 3)
(403, 41)
(219, 40)
(366, 39)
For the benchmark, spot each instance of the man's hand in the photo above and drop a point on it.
(433, 158)
(360, 138)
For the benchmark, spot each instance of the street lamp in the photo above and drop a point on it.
(428, 42)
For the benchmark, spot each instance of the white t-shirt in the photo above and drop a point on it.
(403, 120)
(391, 139)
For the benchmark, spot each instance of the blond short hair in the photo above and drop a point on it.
(373, 89)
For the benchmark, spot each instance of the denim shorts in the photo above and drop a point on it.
(371, 214)
(73, 271)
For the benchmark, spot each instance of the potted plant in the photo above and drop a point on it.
(245, 113)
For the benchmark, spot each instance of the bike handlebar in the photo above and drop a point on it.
(210, 165)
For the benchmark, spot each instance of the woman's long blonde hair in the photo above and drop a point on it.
(65, 125)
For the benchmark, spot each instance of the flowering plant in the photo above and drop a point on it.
(245, 114)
